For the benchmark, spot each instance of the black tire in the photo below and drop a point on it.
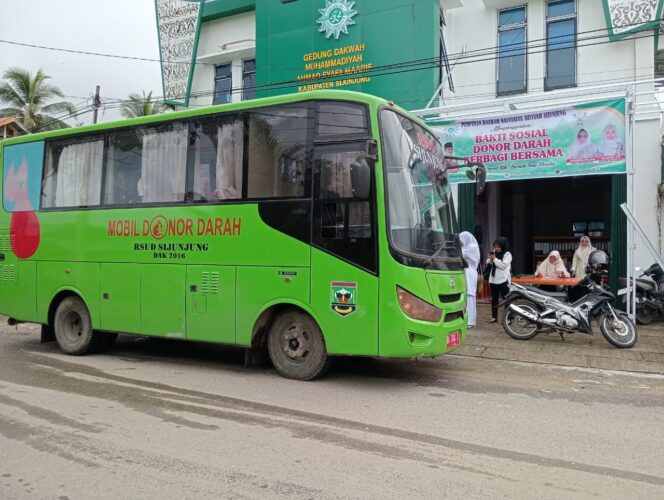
(297, 347)
(73, 327)
(517, 327)
(644, 315)
(622, 334)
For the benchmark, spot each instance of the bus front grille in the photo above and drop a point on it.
(453, 316)
(446, 299)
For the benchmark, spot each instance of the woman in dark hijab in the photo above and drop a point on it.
(501, 263)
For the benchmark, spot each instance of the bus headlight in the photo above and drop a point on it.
(416, 308)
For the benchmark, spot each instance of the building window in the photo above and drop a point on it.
(511, 51)
(560, 44)
(248, 79)
(223, 82)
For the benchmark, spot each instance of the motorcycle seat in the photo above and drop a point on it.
(646, 284)
(556, 295)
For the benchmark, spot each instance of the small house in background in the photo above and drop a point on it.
(11, 127)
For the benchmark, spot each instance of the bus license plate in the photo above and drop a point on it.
(453, 339)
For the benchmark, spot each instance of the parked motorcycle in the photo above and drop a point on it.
(530, 311)
(649, 295)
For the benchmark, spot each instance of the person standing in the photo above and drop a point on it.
(580, 259)
(471, 252)
(501, 265)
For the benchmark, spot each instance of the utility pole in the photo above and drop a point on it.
(96, 104)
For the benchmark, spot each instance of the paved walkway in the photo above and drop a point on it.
(489, 340)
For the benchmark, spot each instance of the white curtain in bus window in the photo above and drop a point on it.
(163, 165)
(221, 146)
(73, 174)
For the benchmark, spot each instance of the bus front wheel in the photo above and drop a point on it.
(73, 327)
(297, 347)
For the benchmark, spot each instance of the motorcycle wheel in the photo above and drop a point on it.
(517, 327)
(621, 333)
(643, 315)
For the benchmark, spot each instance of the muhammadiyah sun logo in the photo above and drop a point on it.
(336, 17)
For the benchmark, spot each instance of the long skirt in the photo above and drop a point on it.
(471, 292)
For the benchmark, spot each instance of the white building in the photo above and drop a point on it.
(534, 72)
(506, 56)
(226, 61)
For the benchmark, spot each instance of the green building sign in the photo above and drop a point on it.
(371, 46)
(389, 48)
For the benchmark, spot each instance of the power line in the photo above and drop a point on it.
(147, 59)
(88, 53)
(390, 69)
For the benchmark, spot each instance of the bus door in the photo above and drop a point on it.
(162, 300)
(211, 303)
(344, 259)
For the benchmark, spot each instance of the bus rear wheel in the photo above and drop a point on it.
(73, 327)
(297, 347)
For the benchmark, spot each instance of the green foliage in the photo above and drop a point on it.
(142, 105)
(28, 97)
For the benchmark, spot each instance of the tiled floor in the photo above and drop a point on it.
(489, 340)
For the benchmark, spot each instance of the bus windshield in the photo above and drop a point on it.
(421, 218)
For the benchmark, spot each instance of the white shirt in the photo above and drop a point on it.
(503, 269)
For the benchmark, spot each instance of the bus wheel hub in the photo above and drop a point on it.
(296, 343)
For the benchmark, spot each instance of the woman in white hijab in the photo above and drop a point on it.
(582, 147)
(580, 260)
(471, 252)
(610, 145)
(552, 267)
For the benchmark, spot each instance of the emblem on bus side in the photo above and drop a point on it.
(343, 298)
(335, 18)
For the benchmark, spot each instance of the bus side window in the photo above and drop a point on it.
(147, 165)
(72, 177)
(341, 119)
(278, 152)
(218, 159)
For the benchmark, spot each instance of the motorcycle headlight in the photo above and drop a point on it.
(416, 308)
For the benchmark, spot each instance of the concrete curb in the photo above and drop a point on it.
(489, 341)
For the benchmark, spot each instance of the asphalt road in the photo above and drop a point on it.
(165, 419)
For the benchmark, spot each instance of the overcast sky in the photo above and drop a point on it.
(123, 27)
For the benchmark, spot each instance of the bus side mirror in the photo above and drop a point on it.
(360, 178)
(480, 179)
(477, 173)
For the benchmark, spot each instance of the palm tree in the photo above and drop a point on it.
(27, 97)
(142, 106)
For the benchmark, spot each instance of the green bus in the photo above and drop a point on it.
(311, 225)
